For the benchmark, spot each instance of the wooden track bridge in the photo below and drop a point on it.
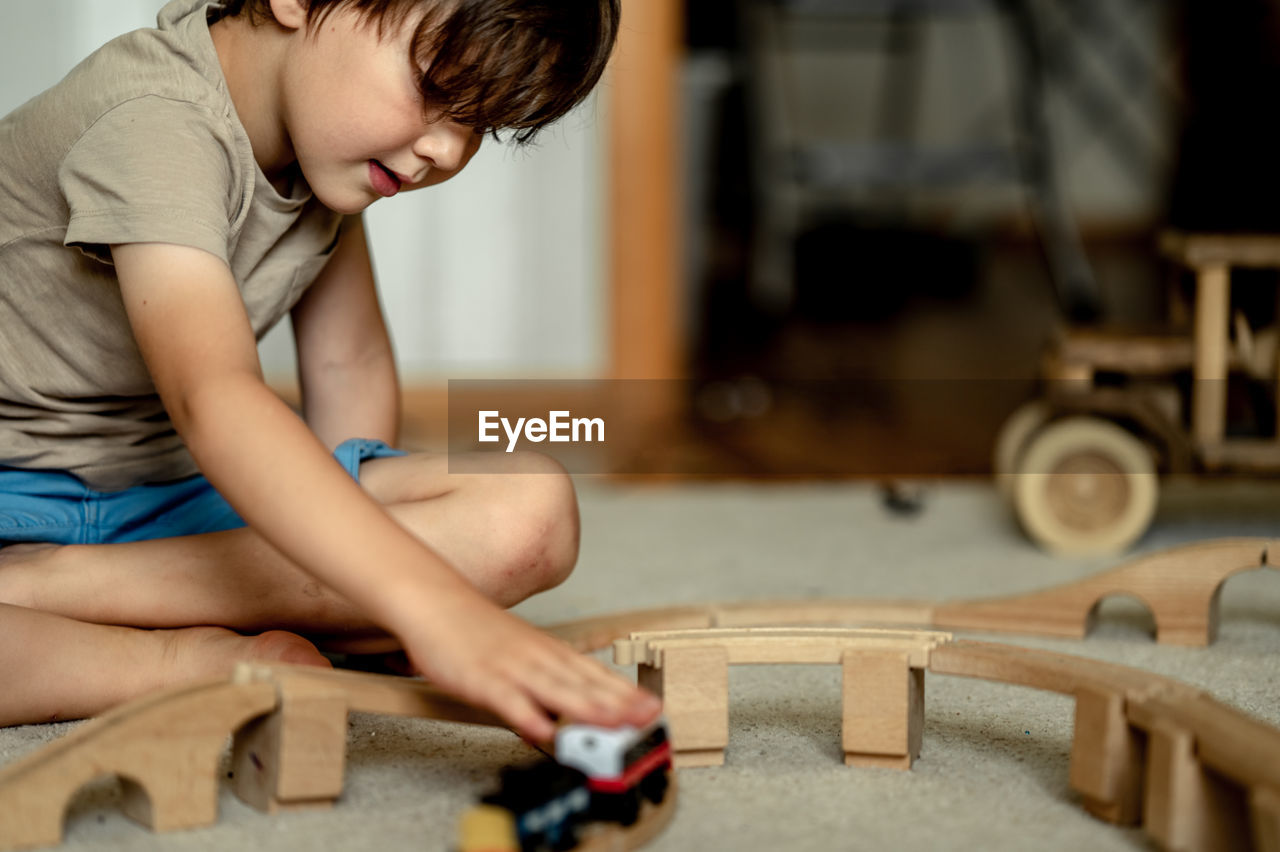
(1146, 749)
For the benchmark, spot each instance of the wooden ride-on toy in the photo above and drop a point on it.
(1081, 462)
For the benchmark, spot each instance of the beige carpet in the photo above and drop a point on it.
(993, 772)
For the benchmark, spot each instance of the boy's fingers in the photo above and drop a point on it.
(616, 690)
(528, 678)
(605, 684)
(524, 714)
(528, 704)
(625, 702)
(568, 695)
(583, 689)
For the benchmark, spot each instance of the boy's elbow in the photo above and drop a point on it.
(203, 410)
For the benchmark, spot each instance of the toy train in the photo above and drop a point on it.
(598, 775)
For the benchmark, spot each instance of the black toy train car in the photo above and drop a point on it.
(599, 775)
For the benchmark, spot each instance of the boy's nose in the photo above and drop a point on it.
(445, 144)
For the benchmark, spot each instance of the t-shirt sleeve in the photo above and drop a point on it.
(151, 170)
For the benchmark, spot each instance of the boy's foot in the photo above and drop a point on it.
(195, 653)
(63, 669)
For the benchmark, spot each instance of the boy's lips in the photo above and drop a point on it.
(385, 182)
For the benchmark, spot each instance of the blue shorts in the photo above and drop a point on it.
(56, 507)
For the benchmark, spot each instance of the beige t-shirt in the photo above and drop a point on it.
(140, 143)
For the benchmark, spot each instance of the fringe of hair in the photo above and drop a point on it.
(492, 65)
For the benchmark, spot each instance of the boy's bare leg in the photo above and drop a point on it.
(57, 668)
(512, 535)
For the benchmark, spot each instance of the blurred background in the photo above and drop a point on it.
(846, 228)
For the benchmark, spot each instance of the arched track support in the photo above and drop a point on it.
(883, 695)
(290, 727)
(166, 746)
(295, 757)
(1197, 774)
(1180, 585)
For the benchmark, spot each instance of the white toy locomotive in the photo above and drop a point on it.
(599, 775)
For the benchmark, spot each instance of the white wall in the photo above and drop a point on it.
(499, 272)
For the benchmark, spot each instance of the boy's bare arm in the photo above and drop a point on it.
(192, 330)
(345, 363)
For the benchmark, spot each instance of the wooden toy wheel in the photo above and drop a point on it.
(1012, 440)
(1085, 486)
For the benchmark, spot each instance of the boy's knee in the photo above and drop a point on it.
(538, 537)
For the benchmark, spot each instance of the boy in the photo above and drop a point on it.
(159, 210)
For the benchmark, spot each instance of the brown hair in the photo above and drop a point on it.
(491, 64)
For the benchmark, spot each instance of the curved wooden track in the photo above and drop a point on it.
(1196, 773)
(289, 725)
(883, 702)
(1180, 585)
(653, 819)
(165, 747)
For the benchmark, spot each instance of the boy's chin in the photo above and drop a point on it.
(345, 203)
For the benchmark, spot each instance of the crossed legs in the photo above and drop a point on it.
(85, 627)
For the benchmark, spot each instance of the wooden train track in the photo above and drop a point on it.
(1179, 585)
(1196, 773)
(653, 819)
(289, 729)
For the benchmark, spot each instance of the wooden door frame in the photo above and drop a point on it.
(645, 319)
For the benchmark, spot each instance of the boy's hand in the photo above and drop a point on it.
(494, 660)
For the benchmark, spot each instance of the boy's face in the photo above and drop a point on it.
(355, 117)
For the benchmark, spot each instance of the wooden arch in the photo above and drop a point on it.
(1180, 585)
(165, 747)
(1146, 748)
(289, 725)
